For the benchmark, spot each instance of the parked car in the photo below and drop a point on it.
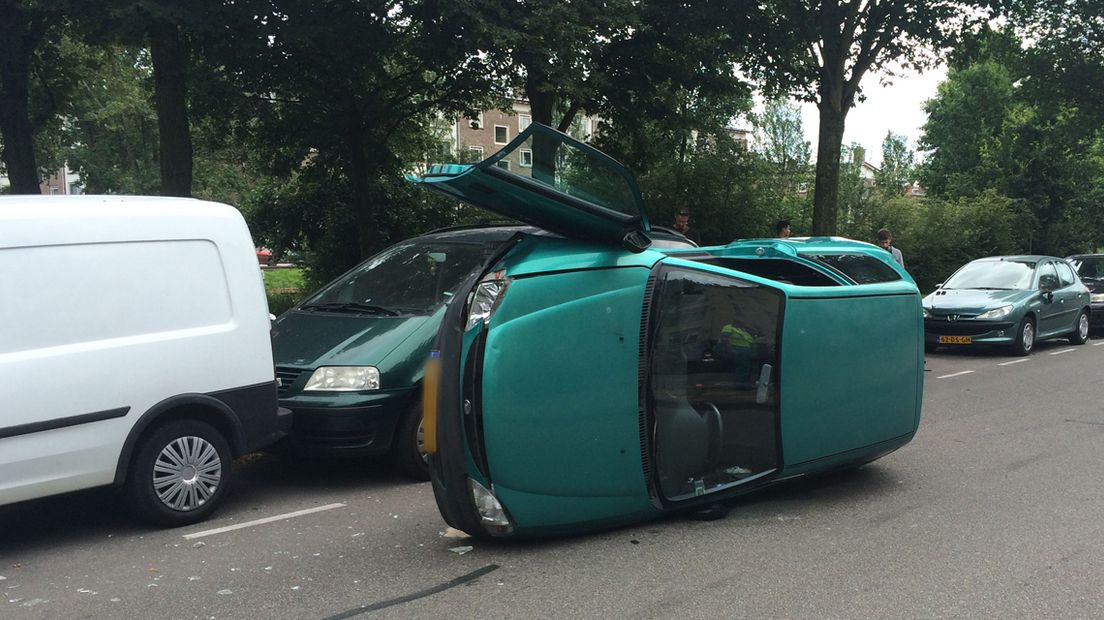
(350, 357)
(1014, 301)
(134, 350)
(1090, 268)
(586, 380)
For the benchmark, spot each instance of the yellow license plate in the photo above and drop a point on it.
(429, 401)
(954, 340)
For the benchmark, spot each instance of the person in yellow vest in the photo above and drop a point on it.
(736, 344)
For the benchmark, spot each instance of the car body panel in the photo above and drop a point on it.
(1090, 270)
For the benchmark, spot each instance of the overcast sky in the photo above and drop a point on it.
(897, 108)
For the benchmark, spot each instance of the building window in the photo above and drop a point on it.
(502, 134)
(524, 120)
(477, 122)
(475, 153)
(526, 158)
(503, 163)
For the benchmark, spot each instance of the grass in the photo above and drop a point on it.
(284, 288)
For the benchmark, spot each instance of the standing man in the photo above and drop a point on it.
(885, 239)
(682, 225)
(782, 229)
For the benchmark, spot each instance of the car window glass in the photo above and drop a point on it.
(1048, 278)
(993, 274)
(716, 338)
(412, 277)
(1089, 267)
(861, 268)
(1065, 274)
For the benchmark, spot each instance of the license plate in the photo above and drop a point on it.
(429, 401)
(954, 340)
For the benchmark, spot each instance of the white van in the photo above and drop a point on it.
(134, 350)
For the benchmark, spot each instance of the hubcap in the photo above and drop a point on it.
(1083, 327)
(187, 473)
(419, 441)
(1028, 336)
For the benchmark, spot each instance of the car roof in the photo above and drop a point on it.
(1026, 258)
(478, 232)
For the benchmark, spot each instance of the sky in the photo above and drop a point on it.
(897, 108)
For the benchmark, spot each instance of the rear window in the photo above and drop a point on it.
(860, 268)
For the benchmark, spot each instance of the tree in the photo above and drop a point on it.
(898, 165)
(25, 27)
(843, 42)
(781, 142)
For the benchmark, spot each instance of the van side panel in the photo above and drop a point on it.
(118, 306)
(838, 391)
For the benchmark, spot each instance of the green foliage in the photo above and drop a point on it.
(898, 166)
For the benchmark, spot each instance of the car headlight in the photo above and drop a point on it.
(996, 313)
(492, 515)
(927, 315)
(343, 379)
(485, 299)
(1096, 298)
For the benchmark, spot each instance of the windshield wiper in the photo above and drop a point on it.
(351, 306)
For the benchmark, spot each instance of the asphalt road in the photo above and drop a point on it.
(994, 510)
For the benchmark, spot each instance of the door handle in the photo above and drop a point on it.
(763, 383)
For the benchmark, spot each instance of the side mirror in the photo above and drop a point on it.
(938, 286)
(1048, 296)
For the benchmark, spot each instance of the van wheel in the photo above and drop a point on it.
(1025, 337)
(179, 473)
(408, 450)
(1080, 333)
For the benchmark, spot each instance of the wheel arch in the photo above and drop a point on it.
(184, 406)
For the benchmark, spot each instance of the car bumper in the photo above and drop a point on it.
(977, 332)
(1096, 316)
(346, 424)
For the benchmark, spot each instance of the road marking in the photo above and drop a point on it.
(1097, 344)
(290, 515)
(1062, 351)
(1013, 362)
(955, 374)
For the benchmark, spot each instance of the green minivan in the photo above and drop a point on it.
(586, 380)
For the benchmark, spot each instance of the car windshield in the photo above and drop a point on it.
(409, 278)
(993, 274)
(1089, 267)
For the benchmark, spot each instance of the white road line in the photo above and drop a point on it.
(1097, 344)
(1013, 362)
(1062, 351)
(955, 374)
(290, 515)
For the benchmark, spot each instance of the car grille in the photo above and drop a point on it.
(287, 377)
(962, 328)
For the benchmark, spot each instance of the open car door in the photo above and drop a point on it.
(552, 181)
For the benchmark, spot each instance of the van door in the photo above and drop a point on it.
(712, 383)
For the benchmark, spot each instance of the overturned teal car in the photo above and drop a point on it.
(583, 380)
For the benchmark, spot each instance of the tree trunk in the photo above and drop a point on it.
(826, 190)
(364, 203)
(15, 123)
(170, 57)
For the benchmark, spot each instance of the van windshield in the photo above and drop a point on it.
(408, 278)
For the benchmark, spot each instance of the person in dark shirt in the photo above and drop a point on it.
(682, 226)
(782, 229)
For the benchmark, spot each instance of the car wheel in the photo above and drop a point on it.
(180, 473)
(1080, 335)
(408, 450)
(1025, 337)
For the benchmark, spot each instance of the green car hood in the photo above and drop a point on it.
(973, 301)
(305, 338)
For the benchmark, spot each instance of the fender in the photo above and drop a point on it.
(214, 406)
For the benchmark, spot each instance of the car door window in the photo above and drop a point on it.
(1048, 278)
(713, 382)
(1065, 274)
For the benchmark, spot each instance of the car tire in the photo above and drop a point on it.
(408, 449)
(1025, 337)
(1080, 333)
(180, 473)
